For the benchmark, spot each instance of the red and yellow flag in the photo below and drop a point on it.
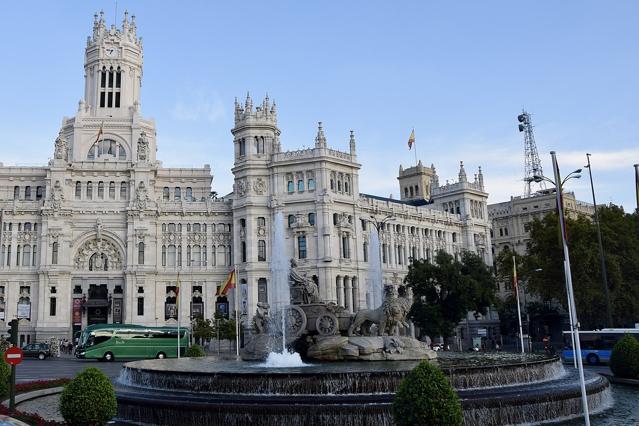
(514, 274)
(411, 139)
(228, 284)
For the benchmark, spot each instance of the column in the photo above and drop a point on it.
(340, 291)
(348, 292)
(355, 294)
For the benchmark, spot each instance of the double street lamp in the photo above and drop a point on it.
(571, 297)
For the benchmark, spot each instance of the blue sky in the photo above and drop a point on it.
(458, 72)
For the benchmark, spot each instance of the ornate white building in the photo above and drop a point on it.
(103, 232)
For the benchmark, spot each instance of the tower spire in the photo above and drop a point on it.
(532, 165)
(320, 139)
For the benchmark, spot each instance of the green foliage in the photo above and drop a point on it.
(5, 377)
(203, 329)
(195, 351)
(426, 398)
(620, 234)
(226, 328)
(624, 361)
(88, 399)
(447, 290)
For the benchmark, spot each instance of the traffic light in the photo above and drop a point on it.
(13, 332)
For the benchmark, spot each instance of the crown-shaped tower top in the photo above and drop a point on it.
(113, 68)
(267, 112)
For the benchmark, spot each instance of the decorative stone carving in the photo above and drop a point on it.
(61, 148)
(143, 147)
(389, 317)
(304, 289)
(259, 186)
(56, 197)
(98, 255)
(141, 197)
(242, 187)
(261, 318)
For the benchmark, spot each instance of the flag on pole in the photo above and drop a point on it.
(228, 284)
(97, 139)
(411, 139)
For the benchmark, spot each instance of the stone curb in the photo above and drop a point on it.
(621, 381)
(27, 396)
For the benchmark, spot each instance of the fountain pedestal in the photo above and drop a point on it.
(369, 348)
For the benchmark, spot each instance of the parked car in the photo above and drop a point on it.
(37, 350)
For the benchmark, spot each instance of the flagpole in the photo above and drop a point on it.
(237, 314)
(178, 313)
(521, 332)
(415, 143)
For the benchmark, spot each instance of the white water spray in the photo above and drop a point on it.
(375, 271)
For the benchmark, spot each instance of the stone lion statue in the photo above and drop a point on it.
(389, 317)
(261, 318)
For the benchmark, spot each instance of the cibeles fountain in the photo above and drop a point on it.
(311, 362)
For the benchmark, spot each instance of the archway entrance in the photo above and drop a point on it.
(97, 304)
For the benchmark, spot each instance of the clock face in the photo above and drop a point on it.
(111, 52)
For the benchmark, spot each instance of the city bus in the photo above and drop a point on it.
(106, 342)
(596, 346)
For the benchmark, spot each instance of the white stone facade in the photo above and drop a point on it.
(104, 231)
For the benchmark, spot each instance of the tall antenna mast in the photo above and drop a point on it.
(532, 163)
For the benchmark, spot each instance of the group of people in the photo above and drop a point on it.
(66, 347)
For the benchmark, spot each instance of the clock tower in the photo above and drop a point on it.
(113, 68)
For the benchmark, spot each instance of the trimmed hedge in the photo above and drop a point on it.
(88, 399)
(425, 397)
(5, 377)
(195, 351)
(624, 360)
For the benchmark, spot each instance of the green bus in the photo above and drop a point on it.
(106, 342)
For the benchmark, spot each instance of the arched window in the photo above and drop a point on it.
(189, 194)
(259, 144)
(196, 255)
(54, 254)
(39, 193)
(27, 193)
(261, 221)
(98, 262)
(112, 190)
(347, 187)
(89, 190)
(332, 185)
(311, 219)
(170, 257)
(141, 253)
(261, 251)
(291, 220)
(101, 190)
(78, 190)
(300, 185)
(311, 184)
(411, 191)
(110, 87)
(123, 191)
(106, 148)
(166, 194)
(365, 251)
(16, 192)
(242, 147)
(177, 194)
(339, 186)
(243, 248)
(27, 226)
(26, 255)
(290, 186)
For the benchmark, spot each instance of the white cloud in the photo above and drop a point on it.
(609, 160)
(198, 105)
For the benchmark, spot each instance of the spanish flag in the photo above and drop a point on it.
(228, 284)
(411, 139)
(515, 274)
(97, 139)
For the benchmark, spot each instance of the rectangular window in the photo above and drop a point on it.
(365, 252)
(384, 250)
(54, 253)
(118, 79)
(117, 98)
(261, 251)
(103, 79)
(110, 99)
(52, 306)
(140, 306)
(102, 98)
(301, 246)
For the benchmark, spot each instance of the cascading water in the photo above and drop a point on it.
(375, 272)
(280, 297)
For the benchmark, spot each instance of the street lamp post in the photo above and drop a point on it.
(571, 296)
(379, 225)
(604, 273)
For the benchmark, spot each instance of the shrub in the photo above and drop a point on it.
(195, 351)
(624, 360)
(88, 399)
(5, 377)
(426, 398)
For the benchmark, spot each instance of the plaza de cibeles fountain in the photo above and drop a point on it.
(353, 365)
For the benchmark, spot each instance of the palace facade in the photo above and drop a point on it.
(104, 232)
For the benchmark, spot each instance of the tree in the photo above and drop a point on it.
(620, 233)
(203, 330)
(447, 290)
